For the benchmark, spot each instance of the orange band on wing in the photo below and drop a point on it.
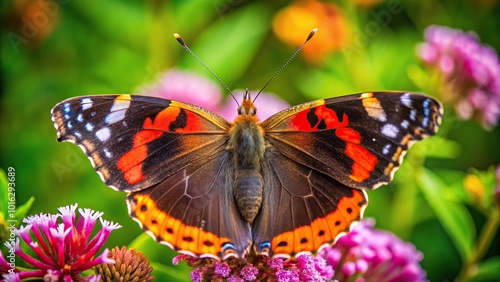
(364, 162)
(323, 230)
(131, 162)
(348, 135)
(317, 118)
(177, 235)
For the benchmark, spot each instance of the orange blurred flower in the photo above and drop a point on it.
(294, 22)
(32, 21)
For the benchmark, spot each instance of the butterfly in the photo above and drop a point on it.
(210, 188)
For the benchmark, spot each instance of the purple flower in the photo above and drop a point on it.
(196, 275)
(285, 275)
(313, 268)
(373, 255)
(249, 272)
(222, 269)
(235, 278)
(364, 254)
(259, 267)
(190, 88)
(63, 245)
(470, 72)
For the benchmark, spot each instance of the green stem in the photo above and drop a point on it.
(484, 242)
(404, 203)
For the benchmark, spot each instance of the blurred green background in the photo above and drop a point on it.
(53, 50)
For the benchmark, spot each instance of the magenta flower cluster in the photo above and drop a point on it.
(367, 254)
(193, 89)
(259, 267)
(62, 244)
(363, 255)
(470, 72)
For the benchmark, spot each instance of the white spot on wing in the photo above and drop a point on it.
(426, 103)
(373, 107)
(118, 111)
(89, 126)
(86, 103)
(425, 121)
(103, 134)
(377, 113)
(405, 123)
(413, 114)
(406, 99)
(390, 130)
(386, 149)
(79, 118)
(107, 153)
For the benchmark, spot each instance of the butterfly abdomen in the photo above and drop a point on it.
(248, 193)
(247, 145)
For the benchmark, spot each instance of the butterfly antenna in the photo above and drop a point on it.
(179, 39)
(311, 34)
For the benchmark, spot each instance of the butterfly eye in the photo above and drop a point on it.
(241, 110)
(252, 111)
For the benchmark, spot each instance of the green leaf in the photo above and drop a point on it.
(488, 270)
(160, 258)
(20, 211)
(140, 241)
(225, 48)
(169, 273)
(4, 194)
(23, 209)
(153, 250)
(451, 213)
(439, 147)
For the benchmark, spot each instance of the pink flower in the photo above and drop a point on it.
(266, 104)
(373, 255)
(63, 245)
(193, 89)
(470, 72)
(259, 267)
(185, 87)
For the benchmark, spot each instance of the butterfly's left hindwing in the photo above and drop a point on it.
(360, 139)
(194, 212)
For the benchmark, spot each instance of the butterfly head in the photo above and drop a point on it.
(247, 107)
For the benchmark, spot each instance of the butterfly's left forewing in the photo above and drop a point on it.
(317, 152)
(133, 141)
